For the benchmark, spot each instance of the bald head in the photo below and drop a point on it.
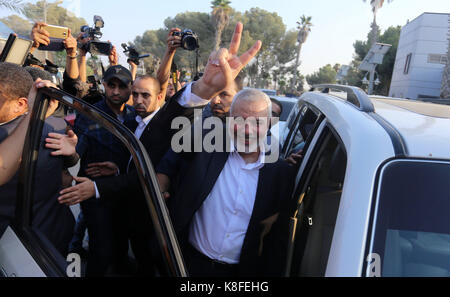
(251, 103)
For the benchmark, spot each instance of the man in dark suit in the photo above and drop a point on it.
(223, 67)
(98, 145)
(220, 73)
(227, 201)
(54, 221)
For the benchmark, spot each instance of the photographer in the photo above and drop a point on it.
(163, 74)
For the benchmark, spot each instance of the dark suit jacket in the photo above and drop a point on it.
(156, 139)
(275, 184)
(54, 220)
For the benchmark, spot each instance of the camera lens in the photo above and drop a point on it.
(190, 43)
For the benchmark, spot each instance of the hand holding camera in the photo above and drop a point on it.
(113, 57)
(173, 40)
(39, 35)
(189, 40)
(70, 43)
(81, 41)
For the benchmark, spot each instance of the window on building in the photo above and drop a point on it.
(408, 61)
(437, 59)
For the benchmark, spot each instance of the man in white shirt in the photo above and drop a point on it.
(227, 201)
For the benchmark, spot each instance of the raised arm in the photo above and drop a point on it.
(71, 59)
(39, 36)
(11, 148)
(82, 57)
(163, 74)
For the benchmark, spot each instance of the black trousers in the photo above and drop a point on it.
(103, 242)
(199, 265)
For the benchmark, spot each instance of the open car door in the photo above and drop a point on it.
(24, 250)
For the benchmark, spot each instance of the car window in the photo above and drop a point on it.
(287, 107)
(412, 229)
(313, 212)
(58, 241)
(300, 131)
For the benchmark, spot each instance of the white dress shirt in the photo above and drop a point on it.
(218, 228)
(142, 123)
(189, 99)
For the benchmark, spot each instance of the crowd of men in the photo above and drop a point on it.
(223, 204)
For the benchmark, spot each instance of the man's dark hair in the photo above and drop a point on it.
(15, 80)
(39, 73)
(275, 101)
(239, 81)
(147, 76)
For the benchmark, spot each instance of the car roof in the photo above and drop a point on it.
(423, 128)
(285, 99)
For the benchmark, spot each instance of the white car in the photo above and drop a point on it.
(372, 194)
(371, 198)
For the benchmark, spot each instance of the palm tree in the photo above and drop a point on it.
(220, 17)
(376, 4)
(15, 5)
(304, 27)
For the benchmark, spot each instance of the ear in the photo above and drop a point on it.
(160, 97)
(21, 105)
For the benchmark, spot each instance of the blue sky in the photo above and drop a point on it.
(337, 24)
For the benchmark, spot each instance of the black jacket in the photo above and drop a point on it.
(258, 256)
(53, 219)
(156, 139)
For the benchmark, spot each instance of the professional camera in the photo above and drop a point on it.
(94, 45)
(133, 54)
(189, 40)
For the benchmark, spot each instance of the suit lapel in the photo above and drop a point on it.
(265, 180)
(216, 164)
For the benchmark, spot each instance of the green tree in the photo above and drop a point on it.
(278, 45)
(15, 5)
(17, 24)
(325, 75)
(384, 71)
(376, 4)
(220, 18)
(56, 15)
(303, 27)
(270, 29)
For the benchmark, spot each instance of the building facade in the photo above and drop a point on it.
(421, 57)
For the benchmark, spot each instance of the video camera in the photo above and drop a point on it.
(133, 54)
(94, 45)
(189, 40)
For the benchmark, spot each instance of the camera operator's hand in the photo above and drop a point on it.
(224, 66)
(173, 42)
(133, 69)
(39, 36)
(82, 40)
(70, 43)
(113, 57)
